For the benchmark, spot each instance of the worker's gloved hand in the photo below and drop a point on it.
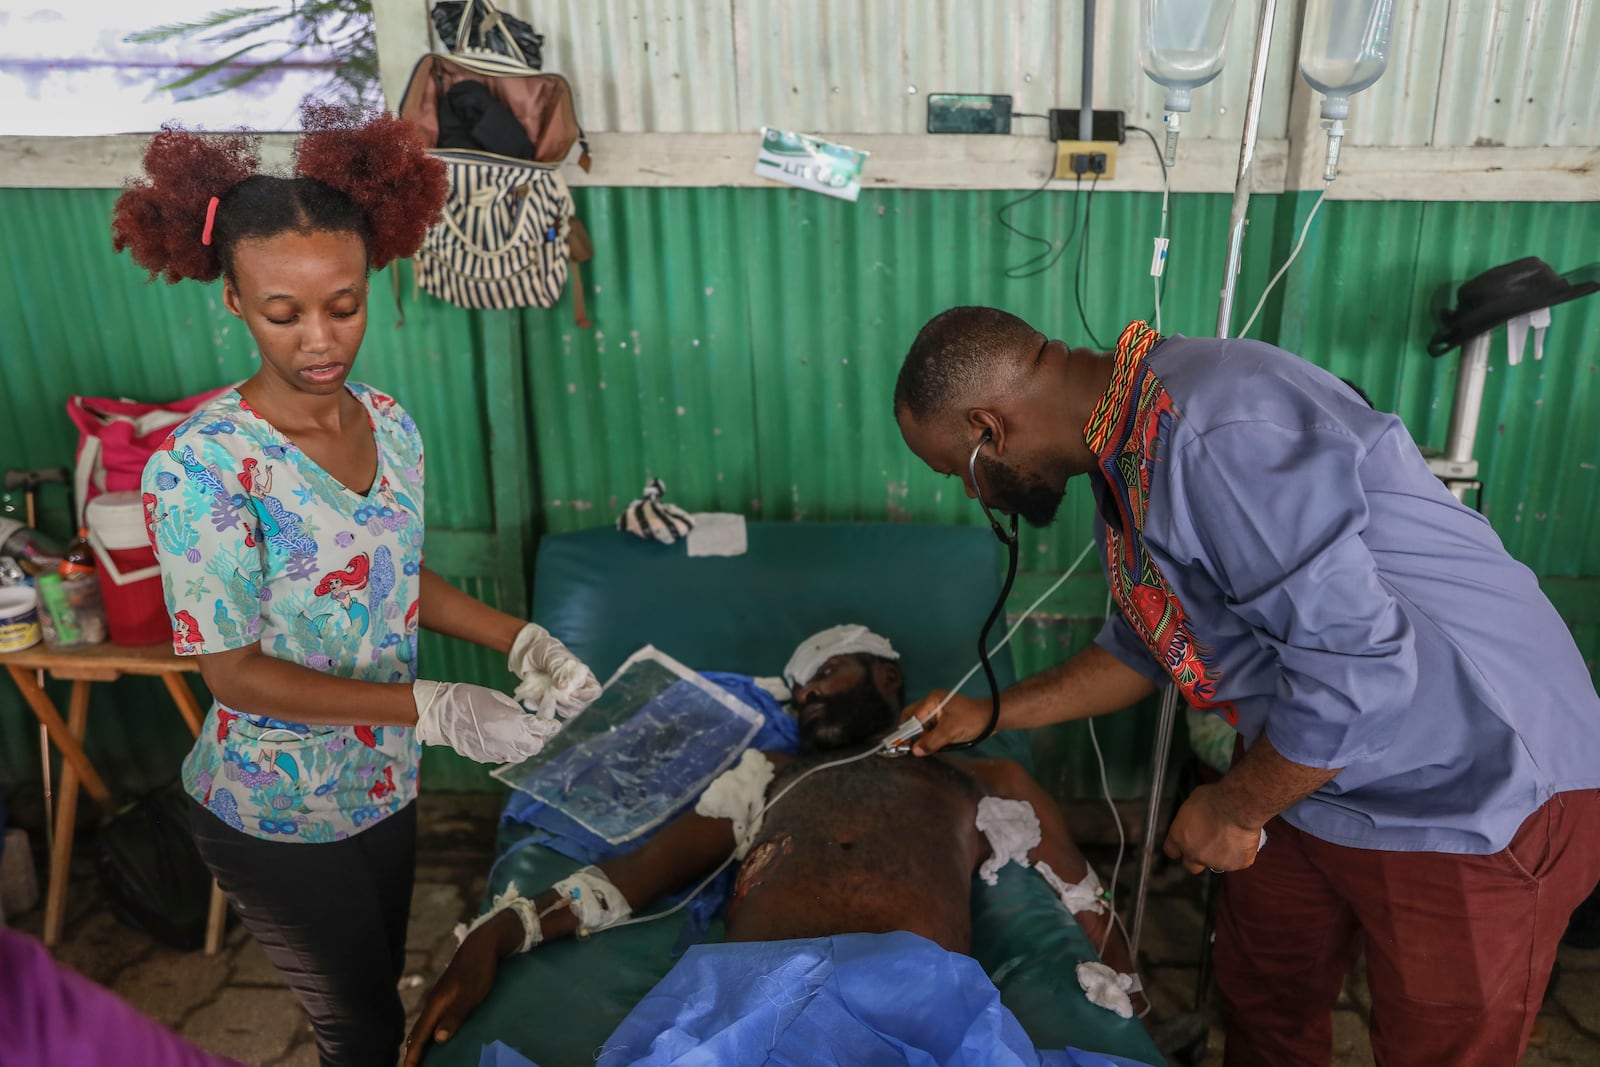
(553, 680)
(478, 722)
(963, 719)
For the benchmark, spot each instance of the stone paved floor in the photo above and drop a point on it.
(234, 1003)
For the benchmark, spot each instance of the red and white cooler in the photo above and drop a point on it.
(130, 580)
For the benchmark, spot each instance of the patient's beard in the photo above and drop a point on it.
(850, 718)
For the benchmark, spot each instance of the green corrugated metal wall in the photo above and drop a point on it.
(745, 347)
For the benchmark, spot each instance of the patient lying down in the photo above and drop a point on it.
(874, 847)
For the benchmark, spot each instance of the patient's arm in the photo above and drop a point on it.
(1008, 779)
(684, 851)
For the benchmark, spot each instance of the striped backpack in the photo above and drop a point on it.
(508, 237)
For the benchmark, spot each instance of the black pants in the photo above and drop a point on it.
(332, 919)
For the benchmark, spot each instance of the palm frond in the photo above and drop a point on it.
(211, 68)
(172, 30)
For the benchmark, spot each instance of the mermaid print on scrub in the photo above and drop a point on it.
(258, 543)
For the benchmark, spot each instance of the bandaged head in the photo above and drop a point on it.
(851, 639)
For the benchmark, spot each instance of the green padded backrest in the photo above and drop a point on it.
(927, 588)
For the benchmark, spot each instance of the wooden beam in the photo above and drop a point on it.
(921, 161)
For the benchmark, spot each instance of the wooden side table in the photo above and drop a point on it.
(83, 667)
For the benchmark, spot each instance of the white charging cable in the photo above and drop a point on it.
(913, 727)
(1251, 321)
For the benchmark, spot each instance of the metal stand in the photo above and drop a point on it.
(1456, 467)
(49, 797)
(1230, 279)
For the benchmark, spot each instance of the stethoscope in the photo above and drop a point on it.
(1009, 539)
(898, 743)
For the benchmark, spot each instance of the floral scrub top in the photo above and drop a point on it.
(258, 543)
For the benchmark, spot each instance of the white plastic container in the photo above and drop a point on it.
(1182, 46)
(1344, 48)
(19, 618)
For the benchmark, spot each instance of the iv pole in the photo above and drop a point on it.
(1230, 279)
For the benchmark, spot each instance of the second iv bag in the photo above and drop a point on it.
(1344, 48)
(1182, 44)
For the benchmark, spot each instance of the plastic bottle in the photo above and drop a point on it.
(72, 614)
(33, 551)
(1182, 46)
(1344, 48)
(78, 559)
(59, 620)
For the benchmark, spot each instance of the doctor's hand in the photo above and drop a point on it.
(1205, 835)
(480, 723)
(464, 985)
(963, 719)
(551, 679)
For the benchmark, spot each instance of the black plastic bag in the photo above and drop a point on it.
(489, 30)
(151, 872)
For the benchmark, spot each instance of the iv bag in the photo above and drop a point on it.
(1182, 44)
(1344, 47)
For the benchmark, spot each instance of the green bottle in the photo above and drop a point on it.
(64, 620)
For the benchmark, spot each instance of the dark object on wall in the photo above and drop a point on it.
(151, 872)
(1105, 125)
(488, 30)
(1503, 293)
(969, 113)
(471, 117)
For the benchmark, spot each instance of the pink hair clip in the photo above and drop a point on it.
(211, 220)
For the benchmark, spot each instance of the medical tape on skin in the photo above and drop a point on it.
(593, 899)
(510, 900)
(739, 794)
(1076, 897)
(1012, 827)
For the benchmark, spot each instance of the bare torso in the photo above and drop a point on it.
(870, 847)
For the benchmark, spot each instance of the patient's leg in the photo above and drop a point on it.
(1009, 780)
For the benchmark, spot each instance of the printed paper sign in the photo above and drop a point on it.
(810, 163)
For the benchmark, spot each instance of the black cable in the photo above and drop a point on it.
(1160, 156)
(1052, 254)
(983, 641)
(1166, 187)
(1083, 252)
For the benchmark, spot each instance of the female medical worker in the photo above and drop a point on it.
(287, 519)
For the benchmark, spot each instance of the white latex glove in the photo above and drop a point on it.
(553, 680)
(478, 722)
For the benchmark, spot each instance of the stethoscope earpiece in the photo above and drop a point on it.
(1009, 539)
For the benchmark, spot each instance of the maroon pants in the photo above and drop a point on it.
(1458, 948)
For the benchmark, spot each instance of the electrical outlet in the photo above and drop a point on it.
(1078, 160)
